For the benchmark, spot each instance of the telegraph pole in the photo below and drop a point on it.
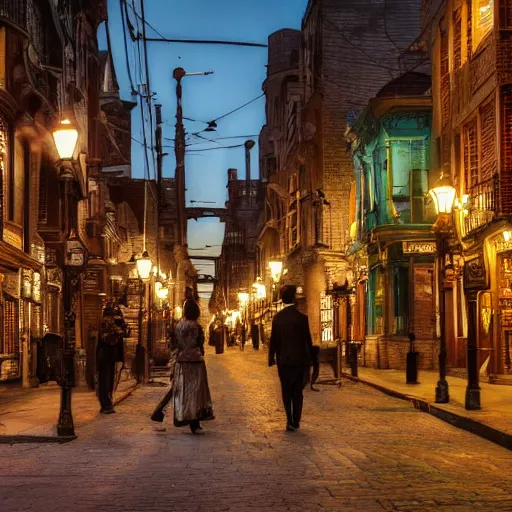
(179, 176)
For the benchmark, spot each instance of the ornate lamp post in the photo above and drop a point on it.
(144, 266)
(74, 262)
(443, 195)
(276, 269)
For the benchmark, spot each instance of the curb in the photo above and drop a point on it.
(475, 427)
(24, 439)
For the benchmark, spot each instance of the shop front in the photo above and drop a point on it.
(20, 314)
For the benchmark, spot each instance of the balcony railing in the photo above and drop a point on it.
(480, 205)
(15, 11)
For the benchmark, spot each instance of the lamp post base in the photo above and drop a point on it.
(472, 399)
(442, 394)
(65, 426)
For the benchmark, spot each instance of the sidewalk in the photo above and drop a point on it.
(31, 415)
(493, 421)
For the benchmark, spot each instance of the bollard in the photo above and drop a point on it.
(353, 358)
(412, 362)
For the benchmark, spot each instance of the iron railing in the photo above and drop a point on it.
(481, 206)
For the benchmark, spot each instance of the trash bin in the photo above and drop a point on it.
(219, 340)
(255, 336)
(412, 361)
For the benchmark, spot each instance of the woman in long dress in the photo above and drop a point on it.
(192, 400)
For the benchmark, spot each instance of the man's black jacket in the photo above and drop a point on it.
(290, 340)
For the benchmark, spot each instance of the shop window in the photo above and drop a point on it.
(326, 318)
(401, 300)
(482, 20)
(457, 39)
(506, 14)
(9, 344)
(375, 298)
(410, 178)
(471, 156)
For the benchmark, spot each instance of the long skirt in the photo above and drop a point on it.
(192, 400)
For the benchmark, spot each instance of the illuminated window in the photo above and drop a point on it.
(482, 20)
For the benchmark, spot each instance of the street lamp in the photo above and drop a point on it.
(74, 261)
(443, 193)
(276, 267)
(144, 265)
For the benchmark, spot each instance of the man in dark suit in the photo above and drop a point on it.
(291, 346)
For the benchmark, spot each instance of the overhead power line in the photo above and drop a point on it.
(202, 41)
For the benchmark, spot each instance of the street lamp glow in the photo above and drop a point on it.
(65, 137)
(276, 267)
(144, 265)
(443, 194)
(507, 235)
(243, 297)
(162, 293)
(260, 290)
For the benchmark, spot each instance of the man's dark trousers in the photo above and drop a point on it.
(106, 377)
(292, 384)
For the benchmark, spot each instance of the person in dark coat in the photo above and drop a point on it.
(291, 346)
(110, 351)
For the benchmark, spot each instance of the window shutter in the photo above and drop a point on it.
(506, 136)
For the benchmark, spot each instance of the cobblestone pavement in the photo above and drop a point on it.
(357, 450)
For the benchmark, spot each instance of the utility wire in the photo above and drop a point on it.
(147, 23)
(213, 149)
(128, 67)
(198, 41)
(239, 108)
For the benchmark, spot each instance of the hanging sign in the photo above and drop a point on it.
(419, 247)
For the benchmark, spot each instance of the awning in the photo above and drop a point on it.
(14, 259)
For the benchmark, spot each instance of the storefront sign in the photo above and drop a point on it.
(36, 287)
(475, 273)
(502, 246)
(51, 257)
(91, 281)
(26, 283)
(419, 247)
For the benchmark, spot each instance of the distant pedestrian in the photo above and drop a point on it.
(191, 394)
(291, 346)
(110, 351)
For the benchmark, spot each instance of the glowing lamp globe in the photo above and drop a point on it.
(276, 267)
(162, 293)
(243, 297)
(65, 137)
(259, 290)
(443, 195)
(144, 265)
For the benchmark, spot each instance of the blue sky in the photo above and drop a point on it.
(238, 76)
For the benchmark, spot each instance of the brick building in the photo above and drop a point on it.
(392, 247)
(318, 80)
(49, 70)
(472, 115)
(237, 262)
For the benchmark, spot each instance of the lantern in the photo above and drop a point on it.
(144, 265)
(443, 194)
(65, 137)
(276, 267)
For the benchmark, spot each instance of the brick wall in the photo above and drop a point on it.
(360, 55)
(391, 352)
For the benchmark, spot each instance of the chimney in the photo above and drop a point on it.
(249, 144)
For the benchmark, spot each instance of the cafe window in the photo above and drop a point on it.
(506, 14)
(9, 344)
(401, 299)
(482, 20)
(326, 318)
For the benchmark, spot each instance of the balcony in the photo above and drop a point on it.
(480, 206)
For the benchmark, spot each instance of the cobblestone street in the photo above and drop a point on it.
(357, 450)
